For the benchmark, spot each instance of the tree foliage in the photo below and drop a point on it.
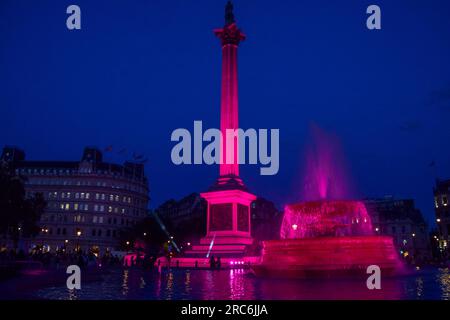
(18, 215)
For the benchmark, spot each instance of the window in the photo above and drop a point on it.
(102, 208)
(67, 207)
(93, 232)
(444, 200)
(64, 231)
(110, 209)
(117, 198)
(75, 206)
(123, 210)
(100, 219)
(63, 195)
(103, 196)
(116, 210)
(82, 195)
(88, 195)
(68, 195)
(111, 197)
(94, 219)
(96, 207)
(77, 195)
(97, 196)
(99, 232)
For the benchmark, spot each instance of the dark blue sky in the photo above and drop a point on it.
(139, 69)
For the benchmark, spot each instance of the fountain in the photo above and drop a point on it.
(325, 235)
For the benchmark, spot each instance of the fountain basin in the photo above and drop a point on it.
(328, 256)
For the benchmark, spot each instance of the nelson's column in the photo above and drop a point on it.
(228, 216)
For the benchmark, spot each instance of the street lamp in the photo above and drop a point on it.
(78, 239)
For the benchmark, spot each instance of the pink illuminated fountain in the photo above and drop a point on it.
(326, 235)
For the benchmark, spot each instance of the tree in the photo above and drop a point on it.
(148, 231)
(18, 215)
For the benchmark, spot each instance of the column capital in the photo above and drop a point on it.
(230, 34)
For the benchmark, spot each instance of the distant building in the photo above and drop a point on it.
(405, 223)
(184, 219)
(442, 209)
(88, 201)
(185, 210)
(266, 219)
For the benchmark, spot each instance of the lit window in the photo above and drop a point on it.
(123, 210)
(111, 197)
(103, 196)
(109, 209)
(75, 206)
(97, 196)
(117, 198)
(82, 195)
(68, 195)
(63, 195)
(88, 195)
(96, 207)
(67, 206)
(86, 207)
(445, 200)
(102, 208)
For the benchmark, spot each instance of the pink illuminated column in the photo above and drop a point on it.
(230, 37)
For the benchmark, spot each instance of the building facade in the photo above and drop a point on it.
(405, 223)
(89, 201)
(266, 219)
(442, 210)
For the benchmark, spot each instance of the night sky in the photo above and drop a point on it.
(139, 69)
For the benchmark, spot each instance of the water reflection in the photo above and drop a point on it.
(238, 289)
(125, 283)
(239, 284)
(444, 281)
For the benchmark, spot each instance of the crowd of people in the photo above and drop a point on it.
(59, 258)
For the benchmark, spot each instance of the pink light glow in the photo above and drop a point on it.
(325, 218)
(325, 175)
(331, 256)
(230, 37)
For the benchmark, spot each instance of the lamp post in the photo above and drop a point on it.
(78, 239)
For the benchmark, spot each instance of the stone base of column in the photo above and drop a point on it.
(228, 224)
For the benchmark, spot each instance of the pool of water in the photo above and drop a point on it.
(176, 284)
